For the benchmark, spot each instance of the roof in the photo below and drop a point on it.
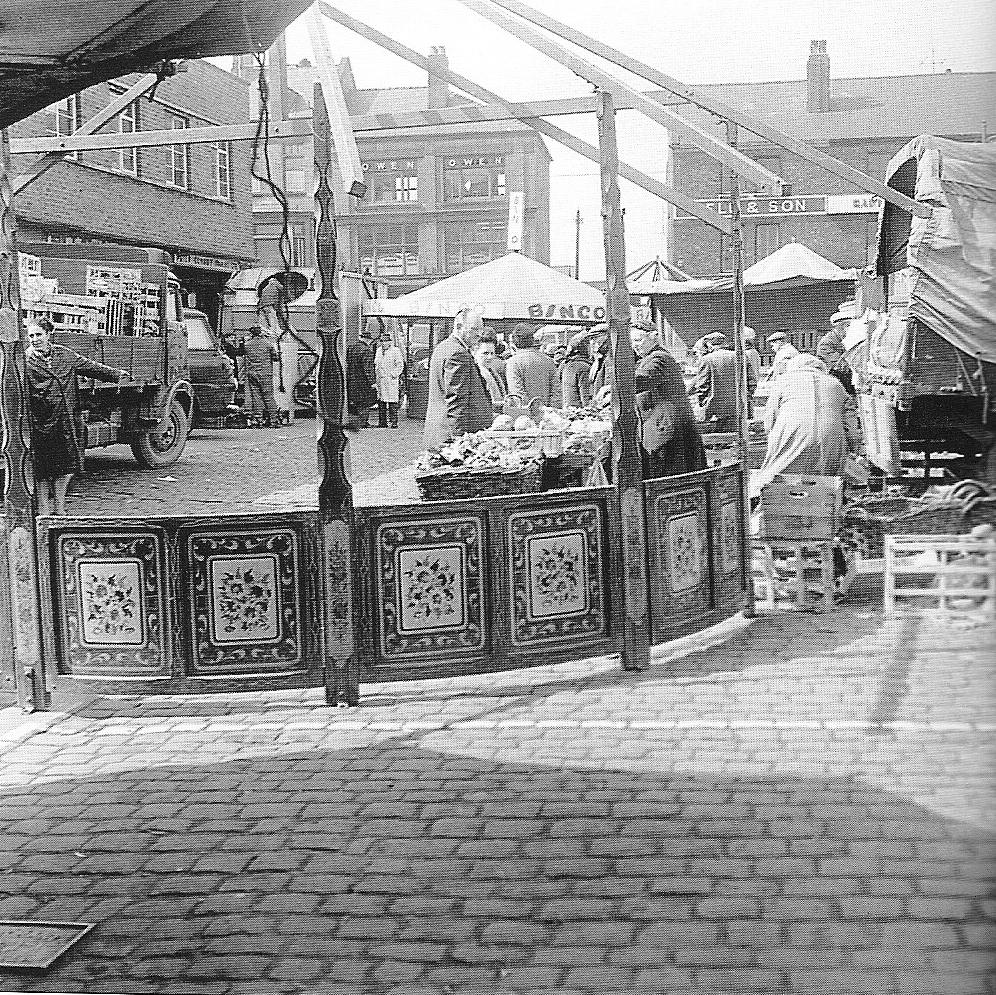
(512, 287)
(50, 50)
(867, 107)
(793, 265)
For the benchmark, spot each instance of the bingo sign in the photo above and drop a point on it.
(566, 312)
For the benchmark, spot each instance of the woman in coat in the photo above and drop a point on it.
(58, 435)
(575, 376)
(806, 419)
(389, 366)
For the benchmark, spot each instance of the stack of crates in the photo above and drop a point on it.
(793, 555)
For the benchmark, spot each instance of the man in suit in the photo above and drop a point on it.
(458, 400)
(716, 385)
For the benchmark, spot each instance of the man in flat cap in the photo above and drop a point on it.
(783, 350)
(715, 385)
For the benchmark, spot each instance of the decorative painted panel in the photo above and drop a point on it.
(429, 582)
(727, 512)
(245, 600)
(556, 574)
(678, 527)
(111, 587)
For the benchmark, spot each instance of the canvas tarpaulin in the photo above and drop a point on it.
(952, 253)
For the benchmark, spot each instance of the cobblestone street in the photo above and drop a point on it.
(804, 807)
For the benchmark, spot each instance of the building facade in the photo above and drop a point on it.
(191, 200)
(437, 197)
(862, 122)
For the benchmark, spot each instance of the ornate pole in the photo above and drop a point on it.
(20, 630)
(738, 348)
(335, 493)
(627, 463)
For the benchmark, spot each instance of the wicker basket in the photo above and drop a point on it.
(547, 442)
(454, 484)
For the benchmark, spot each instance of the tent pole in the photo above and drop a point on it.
(741, 369)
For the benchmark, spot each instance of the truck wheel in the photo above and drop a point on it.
(163, 448)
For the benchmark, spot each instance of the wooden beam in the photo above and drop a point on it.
(627, 460)
(346, 154)
(105, 114)
(299, 128)
(717, 107)
(551, 131)
(709, 143)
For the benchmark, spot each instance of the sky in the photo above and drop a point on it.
(697, 41)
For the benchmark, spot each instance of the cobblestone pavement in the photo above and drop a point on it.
(230, 470)
(805, 807)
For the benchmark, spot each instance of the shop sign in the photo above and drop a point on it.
(204, 262)
(566, 312)
(758, 208)
(516, 208)
(858, 203)
(471, 161)
(392, 165)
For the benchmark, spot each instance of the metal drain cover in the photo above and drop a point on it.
(35, 946)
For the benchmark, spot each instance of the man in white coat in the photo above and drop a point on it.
(784, 351)
(389, 365)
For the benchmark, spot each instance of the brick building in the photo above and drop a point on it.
(863, 122)
(193, 201)
(436, 201)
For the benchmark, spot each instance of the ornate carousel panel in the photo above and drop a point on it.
(678, 526)
(727, 548)
(111, 589)
(556, 574)
(245, 589)
(429, 586)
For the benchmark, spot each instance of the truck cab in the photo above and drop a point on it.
(211, 372)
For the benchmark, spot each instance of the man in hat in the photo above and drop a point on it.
(531, 373)
(830, 348)
(458, 401)
(361, 375)
(715, 385)
(752, 362)
(783, 350)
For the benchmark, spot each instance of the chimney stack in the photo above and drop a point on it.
(818, 74)
(439, 87)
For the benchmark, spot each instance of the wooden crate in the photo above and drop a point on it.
(800, 507)
(947, 574)
(793, 575)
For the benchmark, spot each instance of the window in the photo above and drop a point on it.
(258, 186)
(474, 178)
(392, 181)
(298, 168)
(767, 238)
(470, 243)
(64, 119)
(181, 156)
(389, 251)
(299, 248)
(127, 125)
(199, 335)
(222, 171)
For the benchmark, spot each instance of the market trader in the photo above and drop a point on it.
(260, 353)
(58, 434)
(458, 401)
(531, 372)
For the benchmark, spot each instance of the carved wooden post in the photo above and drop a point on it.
(738, 347)
(335, 493)
(627, 462)
(20, 638)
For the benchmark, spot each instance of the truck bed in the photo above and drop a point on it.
(141, 356)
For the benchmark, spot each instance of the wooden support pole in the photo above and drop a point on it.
(335, 492)
(741, 371)
(691, 133)
(627, 461)
(716, 107)
(20, 638)
(552, 132)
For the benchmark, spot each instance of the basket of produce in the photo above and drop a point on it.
(476, 466)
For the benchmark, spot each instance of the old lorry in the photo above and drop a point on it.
(122, 306)
(929, 380)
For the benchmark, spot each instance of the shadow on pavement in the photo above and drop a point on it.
(401, 868)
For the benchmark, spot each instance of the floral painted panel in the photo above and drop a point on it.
(728, 567)
(684, 552)
(430, 586)
(556, 574)
(110, 609)
(245, 600)
(112, 593)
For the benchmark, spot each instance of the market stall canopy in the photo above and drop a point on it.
(513, 287)
(953, 252)
(50, 50)
(793, 265)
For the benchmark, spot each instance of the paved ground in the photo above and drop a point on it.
(804, 808)
(230, 470)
